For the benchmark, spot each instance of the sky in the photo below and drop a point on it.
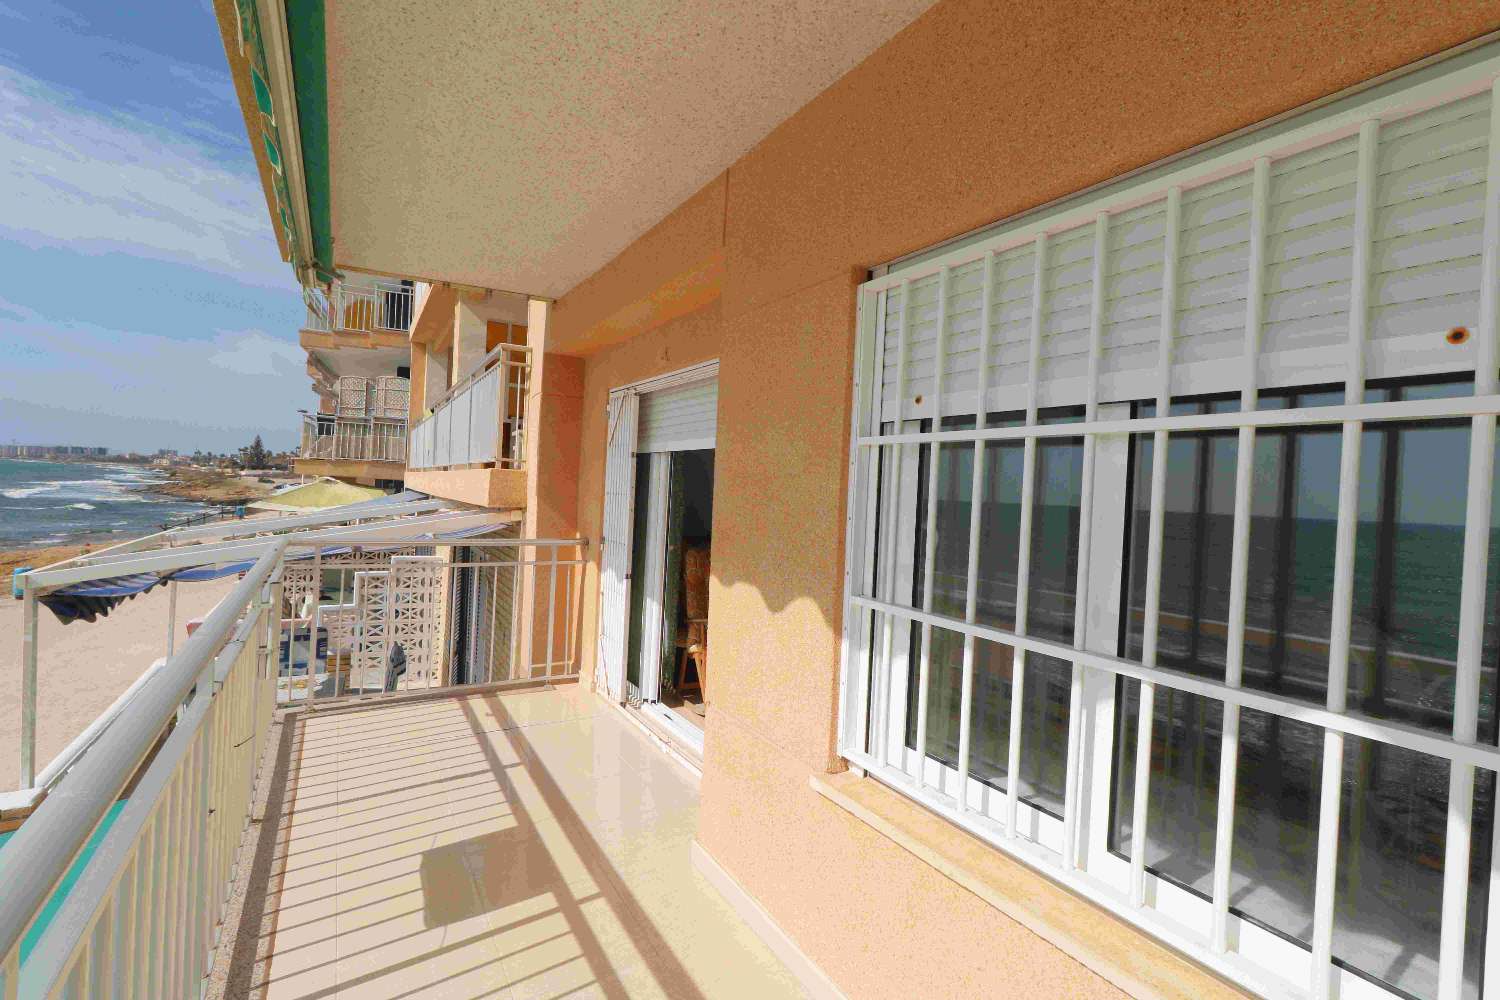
(143, 301)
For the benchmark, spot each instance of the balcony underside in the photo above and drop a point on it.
(335, 340)
(529, 843)
(503, 489)
(359, 471)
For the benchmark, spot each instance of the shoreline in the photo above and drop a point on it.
(207, 488)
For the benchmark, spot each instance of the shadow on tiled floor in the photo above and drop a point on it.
(525, 845)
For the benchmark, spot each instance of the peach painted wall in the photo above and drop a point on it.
(976, 112)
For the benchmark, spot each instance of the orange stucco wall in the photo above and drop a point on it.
(976, 112)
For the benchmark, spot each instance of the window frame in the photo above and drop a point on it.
(1075, 853)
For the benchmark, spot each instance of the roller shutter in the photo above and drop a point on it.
(1428, 209)
(682, 418)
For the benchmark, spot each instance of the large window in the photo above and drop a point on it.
(1175, 555)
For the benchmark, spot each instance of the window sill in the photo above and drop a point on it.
(1116, 951)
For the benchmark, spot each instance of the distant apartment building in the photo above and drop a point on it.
(51, 451)
(358, 358)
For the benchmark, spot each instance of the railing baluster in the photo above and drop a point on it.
(1023, 543)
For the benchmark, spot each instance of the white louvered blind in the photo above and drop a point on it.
(683, 418)
(1425, 262)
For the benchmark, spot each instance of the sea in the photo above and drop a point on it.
(54, 503)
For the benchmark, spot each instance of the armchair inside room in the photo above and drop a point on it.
(692, 637)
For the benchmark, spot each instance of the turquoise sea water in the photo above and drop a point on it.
(50, 503)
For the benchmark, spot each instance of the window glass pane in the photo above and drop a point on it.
(955, 488)
(1051, 599)
(950, 574)
(945, 685)
(1182, 814)
(999, 541)
(1289, 589)
(1408, 565)
(989, 739)
(1480, 847)
(1275, 853)
(1197, 537)
(1000, 535)
(1044, 732)
(1392, 833)
(918, 557)
(1057, 494)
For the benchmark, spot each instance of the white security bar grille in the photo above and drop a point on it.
(1171, 564)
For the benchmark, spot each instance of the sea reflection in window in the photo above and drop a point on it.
(1408, 553)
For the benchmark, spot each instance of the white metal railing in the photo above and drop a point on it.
(181, 753)
(182, 756)
(365, 439)
(510, 610)
(481, 420)
(379, 305)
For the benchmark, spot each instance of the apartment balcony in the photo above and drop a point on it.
(362, 449)
(514, 838)
(471, 444)
(363, 305)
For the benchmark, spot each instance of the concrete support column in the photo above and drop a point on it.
(554, 406)
(434, 375)
(468, 340)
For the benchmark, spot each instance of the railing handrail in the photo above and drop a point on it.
(352, 418)
(41, 851)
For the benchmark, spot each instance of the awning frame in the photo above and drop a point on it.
(425, 528)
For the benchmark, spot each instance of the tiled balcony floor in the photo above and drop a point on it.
(526, 845)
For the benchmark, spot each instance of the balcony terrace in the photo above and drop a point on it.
(471, 445)
(363, 305)
(237, 831)
(365, 439)
(522, 843)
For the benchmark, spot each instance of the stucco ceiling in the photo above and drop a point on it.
(520, 146)
(367, 362)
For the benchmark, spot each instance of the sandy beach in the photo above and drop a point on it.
(83, 667)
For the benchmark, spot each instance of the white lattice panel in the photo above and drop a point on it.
(414, 603)
(297, 583)
(372, 638)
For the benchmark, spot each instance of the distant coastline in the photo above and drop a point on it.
(51, 510)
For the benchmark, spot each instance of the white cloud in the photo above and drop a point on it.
(251, 352)
(196, 393)
(97, 183)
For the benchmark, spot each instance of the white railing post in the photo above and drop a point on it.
(28, 683)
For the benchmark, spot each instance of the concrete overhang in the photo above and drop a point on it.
(355, 353)
(366, 364)
(520, 147)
